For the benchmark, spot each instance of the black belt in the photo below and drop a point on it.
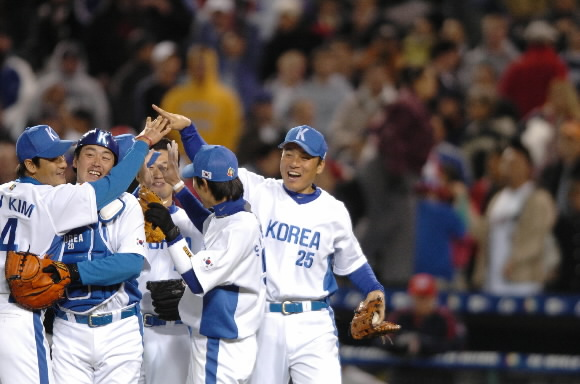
(151, 320)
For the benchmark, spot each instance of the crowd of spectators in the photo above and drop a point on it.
(442, 117)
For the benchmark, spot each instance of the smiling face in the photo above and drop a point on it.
(93, 162)
(48, 171)
(158, 184)
(299, 169)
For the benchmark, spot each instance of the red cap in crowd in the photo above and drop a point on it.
(422, 284)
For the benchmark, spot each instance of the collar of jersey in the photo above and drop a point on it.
(30, 180)
(172, 208)
(303, 198)
(228, 208)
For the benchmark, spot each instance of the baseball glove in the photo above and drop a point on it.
(364, 323)
(165, 295)
(29, 285)
(147, 196)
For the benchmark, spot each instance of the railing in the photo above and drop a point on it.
(477, 303)
(465, 360)
(535, 334)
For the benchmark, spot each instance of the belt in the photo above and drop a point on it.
(151, 320)
(98, 320)
(290, 307)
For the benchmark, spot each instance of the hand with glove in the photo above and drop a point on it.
(55, 271)
(368, 320)
(160, 217)
(165, 295)
(37, 283)
(147, 196)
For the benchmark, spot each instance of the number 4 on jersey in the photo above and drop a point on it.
(8, 235)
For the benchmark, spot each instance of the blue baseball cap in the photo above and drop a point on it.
(124, 142)
(101, 138)
(214, 163)
(40, 141)
(309, 139)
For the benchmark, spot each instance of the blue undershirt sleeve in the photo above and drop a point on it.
(111, 270)
(192, 281)
(192, 141)
(121, 176)
(196, 212)
(365, 280)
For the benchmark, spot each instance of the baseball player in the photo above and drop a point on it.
(308, 238)
(97, 328)
(36, 210)
(167, 349)
(224, 304)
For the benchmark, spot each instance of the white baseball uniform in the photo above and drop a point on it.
(97, 333)
(307, 239)
(32, 218)
(167, 346)
(225, 318)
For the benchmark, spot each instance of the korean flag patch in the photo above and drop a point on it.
(207, 263)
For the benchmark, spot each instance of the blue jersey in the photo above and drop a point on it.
(123, 234)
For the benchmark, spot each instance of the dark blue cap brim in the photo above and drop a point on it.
(187, 171)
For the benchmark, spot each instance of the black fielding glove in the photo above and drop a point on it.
(160, 217)
(73, 270)
(165, 295)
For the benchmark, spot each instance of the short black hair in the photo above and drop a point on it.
(161, 144)
(409, 74)
(442, 47)
(517, 144)
(230, 190)
(21, 169)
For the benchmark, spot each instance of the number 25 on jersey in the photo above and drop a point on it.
(305, 259)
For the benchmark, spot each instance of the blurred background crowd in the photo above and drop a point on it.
(453, 126)
(418, 101)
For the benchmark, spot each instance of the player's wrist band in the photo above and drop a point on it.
(178, 185)
(149, 141)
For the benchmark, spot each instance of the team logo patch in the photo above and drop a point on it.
(230, 172)
(207, 263)
(206, 174)
(140, 242)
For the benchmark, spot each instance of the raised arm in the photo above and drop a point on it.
(196, 212)
(118, 180)
(192, 140)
